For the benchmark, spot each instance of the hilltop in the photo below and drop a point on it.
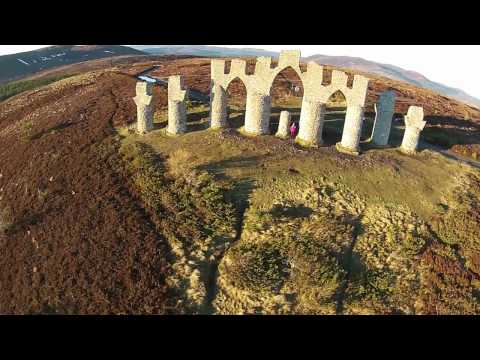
(96, 219)
(451, 123)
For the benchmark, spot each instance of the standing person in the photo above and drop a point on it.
(293, 130)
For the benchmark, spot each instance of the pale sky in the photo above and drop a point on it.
(452, 65)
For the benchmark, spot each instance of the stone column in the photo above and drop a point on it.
(257, 117)
(384, 109)
(144, 100)
(352, 131)
(312, 119)
(284, 125)
(177, 112)
(414, 125)
(177, 115)
(218, 107)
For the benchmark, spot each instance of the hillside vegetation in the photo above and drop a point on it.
(14, 88)
(324, 233)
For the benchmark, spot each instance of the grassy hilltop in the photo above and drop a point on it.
(323, 233)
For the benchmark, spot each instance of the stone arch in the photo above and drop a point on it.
(285, 96)
(292, 71)
(315, 97)
(236, 98)
(234, 79)
(336, 91)
(278, 70)
(336, 108)
(337, 100)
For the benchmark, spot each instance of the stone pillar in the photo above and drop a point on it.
(257, 117)
(144, 100)
(414, 124)
(218, 107)
(177, 112)
(283, 125)
(312, 119)
(384, 109)
(352, 131)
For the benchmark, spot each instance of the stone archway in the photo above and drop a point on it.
(336, 108)
(287, 94)
(316, 95)
(236, 92)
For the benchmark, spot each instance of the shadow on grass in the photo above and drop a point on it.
(291, 212)
(236, 120)
(160, 125)
(241, 189)
(441, 131)
(29, 219)
(218, 168)
(198, 121)
(51, 130)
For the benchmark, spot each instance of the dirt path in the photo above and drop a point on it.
(349, 255)
(451, 155)
(213, 276)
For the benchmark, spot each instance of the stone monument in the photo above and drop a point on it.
(284, 125)
(414, 125)
(177, 112)
(316, 95)
(144, 102)
(385, 109)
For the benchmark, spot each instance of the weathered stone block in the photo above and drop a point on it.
(218, 107)
(385, 108)
(144, 102)
(238, 66)
(257, 117)
(177, 117)
(352, 130)
(339, 79)
(217, 69)
(177, 112)
(289, 58)
(284, 125)
(311, 123)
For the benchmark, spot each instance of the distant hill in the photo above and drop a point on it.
(202, 50)
(396, 73)
(355, 63)
(16, 66)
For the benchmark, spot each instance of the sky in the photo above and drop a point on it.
(452, 65)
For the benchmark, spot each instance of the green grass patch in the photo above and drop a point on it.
(14, 88)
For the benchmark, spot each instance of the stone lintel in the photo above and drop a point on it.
(289, 58)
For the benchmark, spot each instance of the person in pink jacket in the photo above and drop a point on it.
(293, 130)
